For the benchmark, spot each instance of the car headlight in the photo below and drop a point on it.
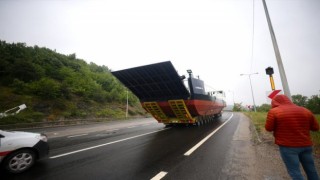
(42, 137)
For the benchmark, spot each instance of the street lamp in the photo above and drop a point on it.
(249, 75)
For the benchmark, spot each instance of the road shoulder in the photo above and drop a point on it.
(250, 159)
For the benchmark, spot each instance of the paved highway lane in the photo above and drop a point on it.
(138, 151)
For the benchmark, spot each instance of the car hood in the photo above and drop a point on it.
(17, 134)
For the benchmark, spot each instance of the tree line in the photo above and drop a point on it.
(46, 76)
(312, 103)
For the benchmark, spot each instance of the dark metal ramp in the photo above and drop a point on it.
(154, 82)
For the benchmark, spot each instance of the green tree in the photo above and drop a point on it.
(25, 71)
(46, 88)
(237, 107)
(19, 87)
(72, 56)
(299, 100)
(264, 108)
(314, 104)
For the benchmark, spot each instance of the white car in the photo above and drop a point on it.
(20, 150)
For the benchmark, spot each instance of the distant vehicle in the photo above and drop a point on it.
(162, 92)
(20, 150)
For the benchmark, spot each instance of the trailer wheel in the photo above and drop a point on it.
(218, 115)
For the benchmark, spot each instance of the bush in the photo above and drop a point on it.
(46, 88)
(264, 108)
(314, 104)
(26, 117)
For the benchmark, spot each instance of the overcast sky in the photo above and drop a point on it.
(217, 39)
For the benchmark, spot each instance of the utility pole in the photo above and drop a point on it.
(254, 103)
(283, 77)
(127, 104)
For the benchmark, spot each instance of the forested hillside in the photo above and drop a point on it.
(56, 86)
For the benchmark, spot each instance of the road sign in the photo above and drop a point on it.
(273, 94)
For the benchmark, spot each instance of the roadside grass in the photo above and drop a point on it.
(316, 137)
(259, 118)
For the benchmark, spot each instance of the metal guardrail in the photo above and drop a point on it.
(59, 123)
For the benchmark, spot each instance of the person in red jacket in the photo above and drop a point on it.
(291, 126)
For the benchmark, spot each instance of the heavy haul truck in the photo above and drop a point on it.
(162, 92)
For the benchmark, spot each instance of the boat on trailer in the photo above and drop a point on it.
(163, 93)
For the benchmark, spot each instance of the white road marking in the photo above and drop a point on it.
(93, 147)
(112, 130)
(160, 175)
(77, 135)
(206, 138)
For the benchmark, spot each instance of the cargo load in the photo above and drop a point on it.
(171, 98)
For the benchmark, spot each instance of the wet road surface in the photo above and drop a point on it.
(138, 149)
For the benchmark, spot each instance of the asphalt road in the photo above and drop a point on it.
(137, 149)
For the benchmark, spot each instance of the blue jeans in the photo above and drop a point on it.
(293, 156)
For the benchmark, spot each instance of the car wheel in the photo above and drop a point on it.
(19, 161)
